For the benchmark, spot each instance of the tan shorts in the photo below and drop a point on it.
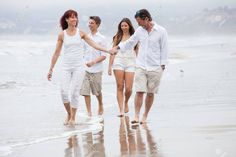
(93, 82)
(147, 81)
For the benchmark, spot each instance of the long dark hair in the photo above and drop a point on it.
(118, 37)
(66, 15)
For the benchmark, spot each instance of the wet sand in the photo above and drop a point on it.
(193, 115)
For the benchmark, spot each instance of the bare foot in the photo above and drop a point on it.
(90, 114)
(144, 125)
(66, 122)
(144, 119)
(100, 110)
(126, 108)
(120, 115)
(72, 122)
(136, 120)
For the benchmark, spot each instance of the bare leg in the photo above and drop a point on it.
(148, 105)
(87, 99)
(68, 110)
(119, 74)
(100, 104)
(129, 79)
(73, 114)
(138, 104)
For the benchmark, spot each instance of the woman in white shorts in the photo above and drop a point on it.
(123, 65)
(73, 63)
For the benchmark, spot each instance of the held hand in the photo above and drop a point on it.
(113, 51)
(109, 71)
(89, 64)
(49, 76)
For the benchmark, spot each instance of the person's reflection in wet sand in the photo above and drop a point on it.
(141, 149)
(93, 144)
(133, 141)
(152, 147)
(73, 149)
(122, 137)
(126, 137)
(131, 136)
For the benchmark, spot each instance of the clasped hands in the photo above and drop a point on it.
(113, 51)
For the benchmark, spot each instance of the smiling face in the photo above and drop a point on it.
(72, 20)
(124, 27)
(92, 25)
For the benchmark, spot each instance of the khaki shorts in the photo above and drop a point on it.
(93, 82)
(147, 81)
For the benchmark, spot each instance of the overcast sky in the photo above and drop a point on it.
(139, 3)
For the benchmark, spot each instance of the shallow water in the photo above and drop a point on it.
(196, 102)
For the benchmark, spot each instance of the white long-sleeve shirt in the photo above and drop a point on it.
(153, 47)
(91, 53)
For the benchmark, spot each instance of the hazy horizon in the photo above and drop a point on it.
(33, 17)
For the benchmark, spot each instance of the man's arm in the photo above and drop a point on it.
(97, 60)
(131, 42)
(164, 49)
(102, 56)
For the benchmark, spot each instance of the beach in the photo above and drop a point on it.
(194, 113)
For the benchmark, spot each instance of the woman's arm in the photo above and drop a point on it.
(92, 43)
(111, 60)
(55, 55)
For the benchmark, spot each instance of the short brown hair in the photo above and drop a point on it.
(96, 19)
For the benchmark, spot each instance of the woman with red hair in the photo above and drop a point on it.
(71, 38)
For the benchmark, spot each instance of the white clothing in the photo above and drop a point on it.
(73, 51)
(91, 53)
(153, 47)
(70, 85)
(73, 68)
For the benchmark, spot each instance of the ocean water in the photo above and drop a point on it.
(31, 107)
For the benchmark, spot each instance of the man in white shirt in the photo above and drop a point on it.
(94, 67)
(150, 62)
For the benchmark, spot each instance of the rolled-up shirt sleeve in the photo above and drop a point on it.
(131, 42)
(164, 48)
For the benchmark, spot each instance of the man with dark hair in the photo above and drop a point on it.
(143, 13)
(93, 58)
(150, 62)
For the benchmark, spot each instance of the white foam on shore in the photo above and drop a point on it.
(5, 150)
(8, 149)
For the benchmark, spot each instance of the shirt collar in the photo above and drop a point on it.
(96, 34)
(155, 26)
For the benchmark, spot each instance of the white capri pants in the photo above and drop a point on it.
(70, 85)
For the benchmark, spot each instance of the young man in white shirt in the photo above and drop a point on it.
(150, 62)
(94, 67)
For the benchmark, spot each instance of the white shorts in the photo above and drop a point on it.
(125, 64)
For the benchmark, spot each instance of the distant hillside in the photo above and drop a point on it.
(221, 20)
